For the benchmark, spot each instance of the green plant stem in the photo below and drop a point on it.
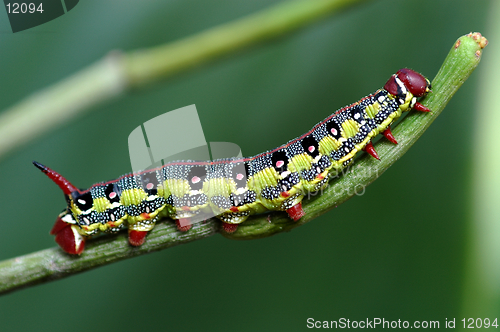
(113, 75)
(53, 264)
(481, 293)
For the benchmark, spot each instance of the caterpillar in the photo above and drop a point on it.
(235, 188)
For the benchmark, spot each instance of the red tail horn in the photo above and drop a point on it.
(64, 184)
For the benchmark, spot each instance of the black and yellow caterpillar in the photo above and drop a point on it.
(233, 189)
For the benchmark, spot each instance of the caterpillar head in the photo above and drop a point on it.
(407, 80)
(65, 228)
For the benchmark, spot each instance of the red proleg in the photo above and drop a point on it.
(296, 212)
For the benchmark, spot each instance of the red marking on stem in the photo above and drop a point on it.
(183, 224)
(296, 212)
(145, 215)
(58, 179)
(229, 228)
(285, 194)
(421, 108)
(136, 238)
(234, 209)
(388, 134)
(371, 150)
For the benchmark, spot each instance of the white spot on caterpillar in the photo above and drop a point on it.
(112, 217)
(413, 102)
(401, 85)
(86, 220)
(68, 219)
(285, 174)
(240, 191)
(356, 116)
(318, 170)
(284, 188)
(346, 149)
(334, 131)
(78, 238)
(81, 201)
(381, 99)
(239, 176)
(148, 209)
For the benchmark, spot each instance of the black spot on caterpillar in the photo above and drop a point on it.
(233, 189)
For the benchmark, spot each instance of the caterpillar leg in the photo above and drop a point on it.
(67, 235)
(371, 150)
(183, 224)
(231, 220)
(388, 134)
(296, 212)
(137, 232)
(229, 228)
(136, 238)
(421, 108)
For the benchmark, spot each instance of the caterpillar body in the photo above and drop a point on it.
(233, 189)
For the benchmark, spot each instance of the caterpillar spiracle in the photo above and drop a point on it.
(233, 189)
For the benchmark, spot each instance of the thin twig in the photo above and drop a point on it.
(113, 75)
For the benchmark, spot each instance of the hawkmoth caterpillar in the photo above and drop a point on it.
(233, 189)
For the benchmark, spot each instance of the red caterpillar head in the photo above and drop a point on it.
(408, 80)
(65, 229)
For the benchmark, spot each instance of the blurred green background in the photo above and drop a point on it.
(397, 252)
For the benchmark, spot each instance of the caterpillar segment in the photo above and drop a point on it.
(390, 137)
(233, 189)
